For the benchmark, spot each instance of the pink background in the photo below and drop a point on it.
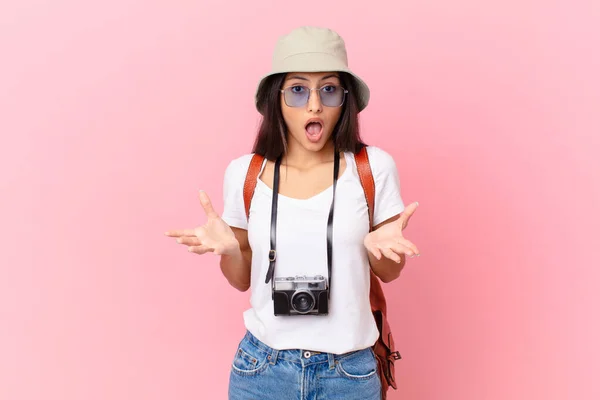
(113, 114)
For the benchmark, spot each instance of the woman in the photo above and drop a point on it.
(307, 231)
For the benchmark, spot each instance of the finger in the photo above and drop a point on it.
(207, 205)
(199, 249)
(219, 250)
(180, 232)
(406, 247)
(189, 241)
(410, 245)
(388, 253)
(407, 214)
(375, 251)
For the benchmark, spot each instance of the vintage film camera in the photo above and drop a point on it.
(301, 295)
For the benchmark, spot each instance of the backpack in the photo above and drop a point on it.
(384, 347)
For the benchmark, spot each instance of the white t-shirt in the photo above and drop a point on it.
(302, 250)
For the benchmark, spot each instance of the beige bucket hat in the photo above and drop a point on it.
(313, 49)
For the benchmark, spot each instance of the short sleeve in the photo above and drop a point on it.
(234, 212)
(388, 200)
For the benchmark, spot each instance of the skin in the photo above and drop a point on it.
(306, 171)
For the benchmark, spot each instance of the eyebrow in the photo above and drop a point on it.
(306, 79)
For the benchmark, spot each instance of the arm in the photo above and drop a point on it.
(387, 247)
(236, 266)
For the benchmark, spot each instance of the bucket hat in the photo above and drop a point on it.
(313, 49)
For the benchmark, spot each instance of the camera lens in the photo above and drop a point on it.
(303, 302)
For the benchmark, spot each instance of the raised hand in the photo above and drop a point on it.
(388, 240)
(214, 236)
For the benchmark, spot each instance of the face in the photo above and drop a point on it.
(311, 115)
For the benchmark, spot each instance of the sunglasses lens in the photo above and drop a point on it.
(332, 96)
(296, 96)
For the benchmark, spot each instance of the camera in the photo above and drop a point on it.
(301, 295)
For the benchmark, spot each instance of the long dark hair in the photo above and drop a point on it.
(271, 138)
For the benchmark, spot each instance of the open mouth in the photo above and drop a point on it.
(314, 130)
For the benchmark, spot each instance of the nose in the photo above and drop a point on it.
(314, 101)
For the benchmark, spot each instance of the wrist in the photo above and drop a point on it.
(232, 250)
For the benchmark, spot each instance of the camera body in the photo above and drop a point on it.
(301, 295)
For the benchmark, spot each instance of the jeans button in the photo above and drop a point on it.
(307, 354)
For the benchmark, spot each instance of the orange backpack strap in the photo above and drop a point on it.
(384, 347)
(366, 180)
(250, 182)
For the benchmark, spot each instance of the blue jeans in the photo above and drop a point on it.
(260, 372)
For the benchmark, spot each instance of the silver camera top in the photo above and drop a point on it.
(302, 278)
(317, 282)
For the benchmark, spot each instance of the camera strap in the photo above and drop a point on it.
(273, 252)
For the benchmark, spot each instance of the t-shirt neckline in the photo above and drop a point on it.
(315, 197)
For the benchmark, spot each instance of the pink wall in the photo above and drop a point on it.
(113, 114)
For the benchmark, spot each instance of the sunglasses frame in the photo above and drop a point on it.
(310, 90)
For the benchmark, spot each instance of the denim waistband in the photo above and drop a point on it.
(301, 356)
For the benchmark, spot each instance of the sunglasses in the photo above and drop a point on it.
(297, 95)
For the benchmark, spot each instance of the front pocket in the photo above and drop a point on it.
(359, 366)
(247, 362)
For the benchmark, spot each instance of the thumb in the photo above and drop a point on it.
(407, 214)
(207, 205)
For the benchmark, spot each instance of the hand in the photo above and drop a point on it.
(389, 241)
(215, 236)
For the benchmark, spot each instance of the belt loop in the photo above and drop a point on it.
(331, 359)
(273, 356)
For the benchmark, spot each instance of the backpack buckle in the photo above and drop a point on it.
(395, 355)
(272, 255)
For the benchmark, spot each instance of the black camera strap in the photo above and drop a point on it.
(273, 252)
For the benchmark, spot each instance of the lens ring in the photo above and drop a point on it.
(303, 301)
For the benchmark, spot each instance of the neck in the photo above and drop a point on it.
(299, 156)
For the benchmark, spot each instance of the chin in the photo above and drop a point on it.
(318, 146)
(315, 146)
